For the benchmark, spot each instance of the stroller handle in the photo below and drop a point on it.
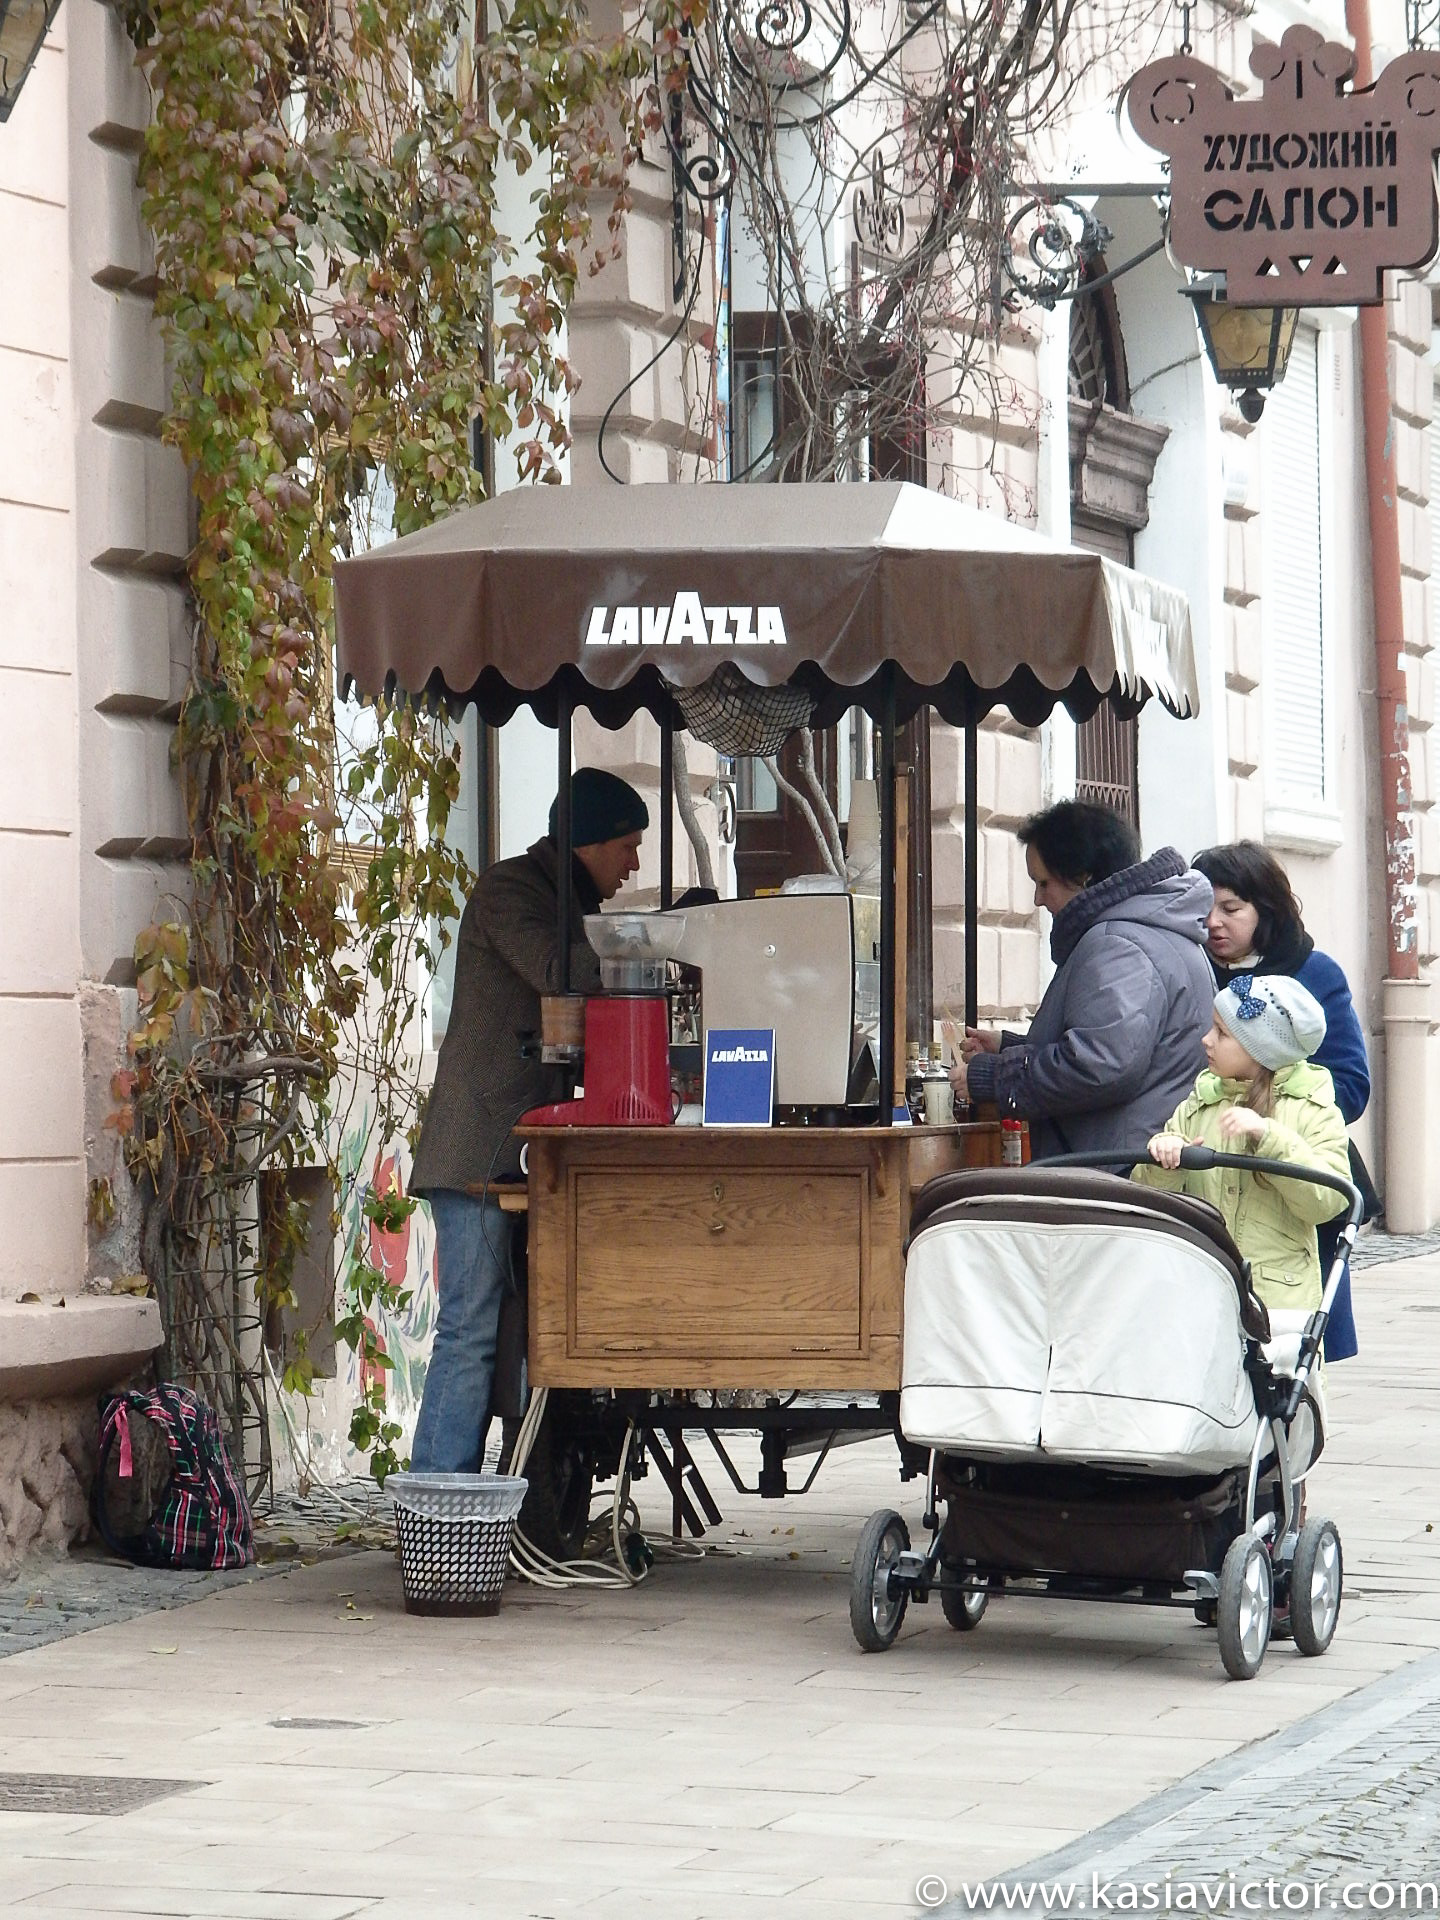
(1201, 1160)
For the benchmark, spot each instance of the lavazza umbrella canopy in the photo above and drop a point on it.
(884, 596)
(743, 612)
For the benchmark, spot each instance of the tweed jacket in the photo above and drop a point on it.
(506, 957)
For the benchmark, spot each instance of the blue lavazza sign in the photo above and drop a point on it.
(739, 1076)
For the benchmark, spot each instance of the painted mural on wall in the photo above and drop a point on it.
(312, 1439)
(406, 1257)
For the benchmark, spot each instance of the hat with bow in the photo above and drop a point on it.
(1274, 1018)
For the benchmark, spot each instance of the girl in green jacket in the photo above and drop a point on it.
(1261, 1095)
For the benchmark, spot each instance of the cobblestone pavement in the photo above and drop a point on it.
(51, 1598)
(1348, 1798)
(1375, 1249)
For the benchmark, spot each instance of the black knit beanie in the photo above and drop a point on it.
(602, 807)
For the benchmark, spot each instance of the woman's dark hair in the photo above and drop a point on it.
(1080, 842)
(1251, 871)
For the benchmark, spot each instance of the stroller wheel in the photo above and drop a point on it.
(1205, 1611)
(1316, 1579)
(875, 1615)
(964, 1608)
(1245, 1608)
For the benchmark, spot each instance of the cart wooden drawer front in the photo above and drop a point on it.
(722, 1262)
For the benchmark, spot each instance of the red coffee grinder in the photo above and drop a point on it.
(626, 1066)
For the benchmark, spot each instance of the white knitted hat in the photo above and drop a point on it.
(1272, 1016)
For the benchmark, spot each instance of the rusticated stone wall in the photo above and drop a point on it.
(47, 1465)
(132, 526)
(93, 532)
(42, 1173)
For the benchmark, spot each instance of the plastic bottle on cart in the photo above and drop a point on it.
(939, 1097)
(1012, 1143)
(914, 1081)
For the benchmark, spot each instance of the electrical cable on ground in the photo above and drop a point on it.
(527, 1560)
(304, 1469)
(540, 1570)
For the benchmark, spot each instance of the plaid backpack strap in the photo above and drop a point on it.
(184, 1531)
(229, 1508)
(115, 1413)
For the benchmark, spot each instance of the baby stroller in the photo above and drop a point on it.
(1108, 1410)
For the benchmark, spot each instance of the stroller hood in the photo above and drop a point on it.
(1079, 1192)
(1065, 1315)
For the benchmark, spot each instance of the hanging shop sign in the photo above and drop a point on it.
(1306, 194)
(879, 211)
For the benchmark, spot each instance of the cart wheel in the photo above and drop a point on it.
(1245, 1607)
(1316, 1579)
(964, 1608)
(1205, 1612)
(874, 1616)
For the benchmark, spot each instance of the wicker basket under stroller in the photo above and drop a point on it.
(1109, 1411)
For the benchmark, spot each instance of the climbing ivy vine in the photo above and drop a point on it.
(342, 306)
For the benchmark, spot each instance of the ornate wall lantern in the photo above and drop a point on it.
(23, 26)
(1248, 347)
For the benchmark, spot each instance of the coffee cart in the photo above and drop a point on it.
(692, 1279)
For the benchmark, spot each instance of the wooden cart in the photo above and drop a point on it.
(689, 1279)
(720, 1260)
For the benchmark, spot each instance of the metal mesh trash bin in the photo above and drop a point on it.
(454, 1533)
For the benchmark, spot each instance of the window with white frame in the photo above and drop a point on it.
(1299, 806)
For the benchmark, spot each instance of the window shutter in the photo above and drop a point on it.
(1292, 616)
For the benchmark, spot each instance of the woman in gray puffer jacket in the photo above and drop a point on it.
(1115, 1043)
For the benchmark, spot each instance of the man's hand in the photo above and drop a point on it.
(977, 1042)
(1165, 1149)
(960, 1082)
(1239, 1123)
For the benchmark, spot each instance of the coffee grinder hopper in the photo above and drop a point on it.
(634, 947)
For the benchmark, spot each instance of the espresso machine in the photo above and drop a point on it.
(784, 962)
(787, 962)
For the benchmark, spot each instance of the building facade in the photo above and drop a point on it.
(1114, 434)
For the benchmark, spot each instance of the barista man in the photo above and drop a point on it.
(507, 956)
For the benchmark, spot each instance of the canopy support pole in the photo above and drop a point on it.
(564, 749)
(667, 812)
(972, 864)
(886, 772)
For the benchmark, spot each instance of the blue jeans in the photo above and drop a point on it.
(472, 1266)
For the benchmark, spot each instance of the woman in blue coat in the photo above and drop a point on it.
(1255, 927)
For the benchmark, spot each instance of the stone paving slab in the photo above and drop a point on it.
(709, 1745)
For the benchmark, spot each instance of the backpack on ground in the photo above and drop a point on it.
(166, 1492)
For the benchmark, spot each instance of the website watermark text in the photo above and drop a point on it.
(1229, 1894)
